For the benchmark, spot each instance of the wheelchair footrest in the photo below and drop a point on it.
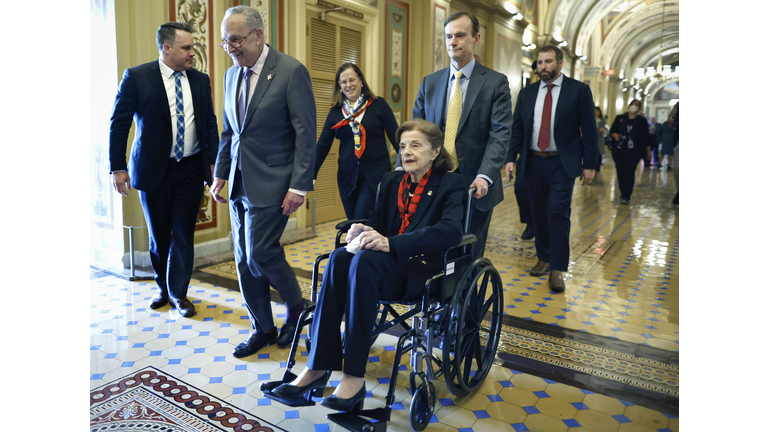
(355, 422)
(305, 400)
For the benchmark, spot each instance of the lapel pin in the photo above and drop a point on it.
(429, 193)
(269, 77)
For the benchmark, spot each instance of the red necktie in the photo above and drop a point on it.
(546, 119)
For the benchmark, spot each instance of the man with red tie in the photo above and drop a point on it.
(555, 134)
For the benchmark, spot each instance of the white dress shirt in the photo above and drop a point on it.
(191, 145)
(534, 145)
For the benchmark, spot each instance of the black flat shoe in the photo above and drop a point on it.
(355, 403)
(254, 342)
(288, 391)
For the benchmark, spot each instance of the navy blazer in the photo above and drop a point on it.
(575, 130)
(141, 96)
(482, 138)
(377, 121)
(436, 225)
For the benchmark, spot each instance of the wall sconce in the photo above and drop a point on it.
(530, 47)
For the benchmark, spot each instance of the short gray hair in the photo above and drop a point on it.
(252, 16)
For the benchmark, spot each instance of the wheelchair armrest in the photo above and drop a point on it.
(468, 238)
(345, 225)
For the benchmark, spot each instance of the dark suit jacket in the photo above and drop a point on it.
(142, 96)
(277, 139)
(436, 225)
(377, 120)
(575, 129)
(482, 139)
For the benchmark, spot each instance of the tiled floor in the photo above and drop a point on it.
(622, 296)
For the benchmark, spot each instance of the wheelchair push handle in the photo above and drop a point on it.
(471, 191)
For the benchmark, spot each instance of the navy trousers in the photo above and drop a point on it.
(550, 190)
(360, 202)
(523, 204)
(352, 286)
(260, 259)
(626, 163)
(171, 213)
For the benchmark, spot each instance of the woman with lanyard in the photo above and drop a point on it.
(630, 142)
(359, 120)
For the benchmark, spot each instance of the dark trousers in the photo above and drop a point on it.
(523, 204)
(360, 202)
(479, 222)
(626, 163)
(550, 190)
(260, 259)
(171, 214)
(352, 286)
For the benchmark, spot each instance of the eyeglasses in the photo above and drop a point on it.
(235, 42)
(351, 81)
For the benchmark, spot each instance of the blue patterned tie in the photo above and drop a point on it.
(178, 149)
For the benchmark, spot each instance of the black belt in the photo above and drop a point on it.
(544, 154)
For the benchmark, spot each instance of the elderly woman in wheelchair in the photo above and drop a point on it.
(417, 215)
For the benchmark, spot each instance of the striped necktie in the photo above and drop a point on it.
(178, 149)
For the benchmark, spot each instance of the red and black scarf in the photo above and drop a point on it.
(358, 131)
(406, 203)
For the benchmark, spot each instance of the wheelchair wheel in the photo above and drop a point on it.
(473, 328)
(422, 406)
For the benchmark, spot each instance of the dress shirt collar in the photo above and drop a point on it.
(558, 82)
(466, 71)
(260, 62)
(166, 71)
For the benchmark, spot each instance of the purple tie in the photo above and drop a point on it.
(243, 105)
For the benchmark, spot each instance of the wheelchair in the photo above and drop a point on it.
(462, 306)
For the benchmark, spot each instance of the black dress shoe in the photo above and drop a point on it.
(254, 342)
(185, 307)
(625, 201)
(158, 300)
(528, 233)
(289, 328)
(288, 391)
(355, 403)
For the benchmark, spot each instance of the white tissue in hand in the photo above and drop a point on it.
(353, 246)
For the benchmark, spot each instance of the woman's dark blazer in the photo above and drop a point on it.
(377, 120)
(436, 225)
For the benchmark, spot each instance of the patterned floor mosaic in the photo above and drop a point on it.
(616, 327)
(153, 401)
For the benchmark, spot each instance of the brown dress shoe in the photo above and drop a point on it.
(158, 300)
(556, 283)
(185, 307)
(540, 269)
